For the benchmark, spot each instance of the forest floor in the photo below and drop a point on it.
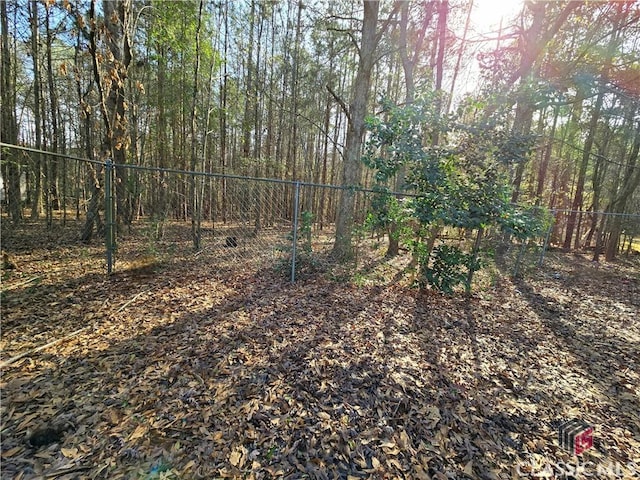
(202, 367)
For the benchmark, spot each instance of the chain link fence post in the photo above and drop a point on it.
(109, 210)
(294, 236)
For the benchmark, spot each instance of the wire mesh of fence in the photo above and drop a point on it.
(153, 216)
(57, 187)
(603, 233)
(228, 221)
(285, 224)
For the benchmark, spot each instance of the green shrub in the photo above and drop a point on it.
(449, 268)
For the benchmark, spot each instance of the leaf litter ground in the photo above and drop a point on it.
(205, 367)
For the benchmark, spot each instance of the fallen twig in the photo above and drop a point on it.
(36, 350)
(67, 471)
(126, 304)
(26, 282)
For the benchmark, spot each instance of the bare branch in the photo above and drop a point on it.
(349, 32)
(345, 109)
(387, 22)
(349, 19)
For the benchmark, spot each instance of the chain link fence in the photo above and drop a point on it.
(150, 217)
(231, 222)
(59, 188)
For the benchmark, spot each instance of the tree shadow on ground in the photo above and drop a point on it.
(606, 357)
(475, 384)
(265, 373)
(318, 379)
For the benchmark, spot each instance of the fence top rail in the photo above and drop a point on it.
(353, 188)
(553, 211)
(53, 154)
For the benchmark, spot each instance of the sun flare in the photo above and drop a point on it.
(487, 15)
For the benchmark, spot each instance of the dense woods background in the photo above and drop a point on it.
(544, 109)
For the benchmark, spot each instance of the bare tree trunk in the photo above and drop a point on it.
(92, 182)
(196, 214)
(54, 200)
(408, 65)
(525, 107)
(292, 150)
(223, 115)
(247, 122)
(630, 184)
(325, 153)
(51, 164)
(160, 206)
(546, 157)
(9, 127)
(352, 167)
(36, 206)
(93, 217)
(207, 164)
(597, 178)
(116, 14)
(599, 239)
(582, 171)
(521, 128)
